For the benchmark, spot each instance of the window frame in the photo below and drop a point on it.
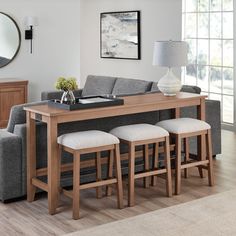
(210, 39)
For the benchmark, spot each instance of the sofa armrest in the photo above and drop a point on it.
(48, 95)
(213, 117)
(10, 165)
(41, 151)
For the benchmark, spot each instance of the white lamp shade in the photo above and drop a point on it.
(31, 21)
(170, 53)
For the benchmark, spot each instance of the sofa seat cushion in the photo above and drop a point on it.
(87, 139)
(130, 86)
(139, 132)
(183, 125)
(98, 85)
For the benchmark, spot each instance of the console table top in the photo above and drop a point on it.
(132, 105)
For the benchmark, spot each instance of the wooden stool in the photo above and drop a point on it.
(92, 141)
(144, 134)
(184, 128)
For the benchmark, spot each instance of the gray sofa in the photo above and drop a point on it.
(13, 138)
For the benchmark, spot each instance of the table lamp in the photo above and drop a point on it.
(170, 54)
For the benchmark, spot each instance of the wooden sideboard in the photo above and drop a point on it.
(12, 92)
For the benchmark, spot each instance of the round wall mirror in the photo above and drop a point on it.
(10, 39)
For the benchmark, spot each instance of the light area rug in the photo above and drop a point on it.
(212, 215)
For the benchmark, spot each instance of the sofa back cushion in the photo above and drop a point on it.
(185, 88)
(98, 85)
(130, 86)
(18, 115)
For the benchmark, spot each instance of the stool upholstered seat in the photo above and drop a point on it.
(183, 125)
(138, 132)
(87, 139)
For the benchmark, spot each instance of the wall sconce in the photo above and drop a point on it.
(30, 21)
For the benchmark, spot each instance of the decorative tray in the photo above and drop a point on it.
(87, 102)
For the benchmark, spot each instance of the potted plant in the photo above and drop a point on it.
(67, 85)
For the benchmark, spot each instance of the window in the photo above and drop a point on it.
(208, 29)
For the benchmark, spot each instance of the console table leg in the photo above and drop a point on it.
(31, 156)
(53, 167)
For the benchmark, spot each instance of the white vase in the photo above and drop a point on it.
(169, 84)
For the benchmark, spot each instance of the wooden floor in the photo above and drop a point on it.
(23, 218)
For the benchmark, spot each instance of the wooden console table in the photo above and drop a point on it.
(54, 116)
(12, 92)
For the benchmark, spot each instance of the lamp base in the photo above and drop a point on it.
(169, 94)
(169, 84)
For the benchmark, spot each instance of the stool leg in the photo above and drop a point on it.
(76, 185)
(168, 168)
(155, 162)
(99, 174)
(146, 165)
(200, 170)
(209, 155)
(110, 172)
(131, 174)
(201, 152)
(119, 177)
(186, 151)
(178, 165)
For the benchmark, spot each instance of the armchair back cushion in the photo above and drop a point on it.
(18, 115)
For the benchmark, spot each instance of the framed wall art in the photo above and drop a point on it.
(120, 35)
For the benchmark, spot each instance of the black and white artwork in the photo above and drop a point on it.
(120, 35)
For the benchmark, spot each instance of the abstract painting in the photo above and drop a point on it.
(120, 35)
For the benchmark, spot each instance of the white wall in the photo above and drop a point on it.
(61, 41)
(160, 20)
(56, 44)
